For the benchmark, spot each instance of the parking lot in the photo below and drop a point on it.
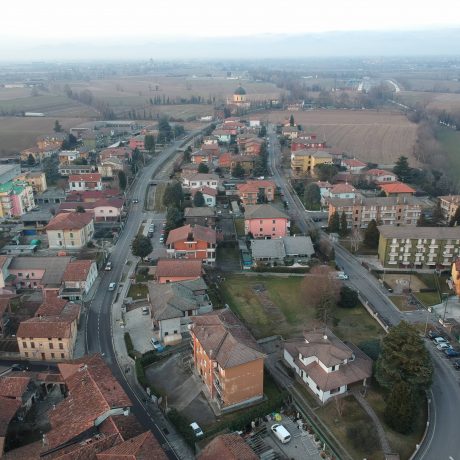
(139, 327)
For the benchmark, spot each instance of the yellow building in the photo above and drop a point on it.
(304, 161)
(51, 335)
(456, 276)
(37, 180)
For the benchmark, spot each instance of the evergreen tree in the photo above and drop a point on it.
(402, 169)
(149, 143)
(173, 219)
(437, 216)
(343, 230)
(122, 180)
(312, 197)
(30, 160)
(57, 127)
(348, 297)
(187, 154)
(404, 358)
(263, 131)
(401, 409)
(422, 222)
(291, 120)
(173, 195)
(198, 200)
(141, 246)
(164, 130)
(203, 168)
(238, 171)
(372, 235)
(334, 223)
(325, 172)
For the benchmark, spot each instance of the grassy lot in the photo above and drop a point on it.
(450, 140)
(230, 257)
(428, 298)
(138, 291)
(401, 302)
(159, 192)
(239, 226)
(352, 413)
(278, 309)
(362, 249)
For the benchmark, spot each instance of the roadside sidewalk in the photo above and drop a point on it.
(126, 364)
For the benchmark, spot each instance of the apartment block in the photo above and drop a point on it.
(304, 161)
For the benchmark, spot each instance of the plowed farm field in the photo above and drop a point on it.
(374, 136)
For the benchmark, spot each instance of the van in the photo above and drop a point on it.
(281, 433)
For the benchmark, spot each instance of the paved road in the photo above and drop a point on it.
(442, 441)
(98, 326)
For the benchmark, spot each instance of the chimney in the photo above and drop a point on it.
(325, 336)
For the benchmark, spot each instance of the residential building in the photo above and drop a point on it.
(16, 198)
(418, 247)
(173, 270)
(227, 447)
(307, 144)
(137, 142)
(54, 140)
(343, 191)
(210, 140)
(38, 154)
(254, 123)
(192, 242)
(456, 275)
(71, 230)
(82, 182)
(36, 179)
(353, 165)
(51, 196)
(379, 176)
(50, 336)
(304, 161)
(223, 135)
(69, 170)
(209, 195)
(256, 191)
(396, 189)
(37, 272)
(173, 305)
(229, 161)
(91, 196)
(78, 278)
(449, 205)
(326, 364)
(265, 221)
(291, 132)
(67, 157)
(92, 421)
(199, 180)
(201, 156)
(36, 220)
(213, 149)
(324, 189)
(110, 167)
(277, 250)
(102, 210)
(9, 172)
(227, 359)
(387, 210)
(204, 216)
(122, 153)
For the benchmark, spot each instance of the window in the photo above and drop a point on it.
(175, 331)
(273, 221)
(26, 354)
(62, 355)
(261, 229)
(24, 344)
(52, 355)
(166, 333)
(61, 346)
(51, 346)
(19, 274)
(59, 338)
(333, 368)
(59, 235)
(32, 345)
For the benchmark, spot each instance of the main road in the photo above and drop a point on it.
(442, 441)
(98, 321)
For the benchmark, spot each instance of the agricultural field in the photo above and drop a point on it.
(449, 102)
(450, 141)
(374, 136)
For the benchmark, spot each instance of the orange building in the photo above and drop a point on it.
(396, 189)
(172, 270)
(227, 359)
(456, 276)
(192, 242)
(253, 189)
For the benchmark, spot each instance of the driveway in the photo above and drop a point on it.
(174, 377)
(139, 327)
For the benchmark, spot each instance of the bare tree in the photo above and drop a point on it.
(356, 239)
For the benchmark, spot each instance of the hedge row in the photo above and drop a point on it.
(182, 425)
(281, 269)
(129, 345)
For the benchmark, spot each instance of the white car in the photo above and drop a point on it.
(108, 266)
(112, 286)
(443, 346)
(196, 429)
(438, 340)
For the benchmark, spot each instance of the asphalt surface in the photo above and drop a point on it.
(442, 440)
(98, 325)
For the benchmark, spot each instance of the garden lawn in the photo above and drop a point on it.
(138, 291)
(239, 226)
(159, 192)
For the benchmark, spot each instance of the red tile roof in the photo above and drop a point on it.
(342, 188)
(190, 268)
(91, 177)
(92, 195)
(255, 185)
(196, 232)
(67, 206)
(354, 163)
(142, 447)
(70, 221)
(205, 190)
(52, 304)
(396, 187)
(378, 172)
(13, 386)
(9, 407)
(77, 270)
(227, 447)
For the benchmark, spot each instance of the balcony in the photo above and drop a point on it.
(218, 387)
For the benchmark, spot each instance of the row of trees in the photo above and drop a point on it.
(338, 224)
(173, 199)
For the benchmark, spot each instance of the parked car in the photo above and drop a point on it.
(457, 364)
(112, 286)
(156, 344)
(451, 353)
(145, 310)
(108, 266)
(135, 200)
(443, 346)
(439, 339)
(281, 433)
(433, 334)
(162, 239)
(196, 429)
(19, 367)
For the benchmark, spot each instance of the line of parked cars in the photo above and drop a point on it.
(443, 345)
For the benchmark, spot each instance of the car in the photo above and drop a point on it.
(439, 339)
(281, 433)
(443, 346)
(164, 224)
(112, 286)
(451, 353)
(196, 429)
(135, 200)
(342, 276)
(433, 334)
(108, 266)
(162, 239)
(145, 310)
(19, 367)
(156, 344)
(457, 364)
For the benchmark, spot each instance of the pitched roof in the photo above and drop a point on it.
(142, 447)
(353, 163)
(70, 221)
(54, 267)
(374, 201)
(390, 231)
(9, 407)
(273, 249)
(263, 211)
(342, 188)
(201, 176)
(77, 270)
(13, 386)
(192, 233)
(298, 245)
(396, 187)
(378, 172)
(225, 339)
(227, 447)
(52, 304)
(205, 190)
(255, 185)
(179, 267)
(312, 153)
(92, 177)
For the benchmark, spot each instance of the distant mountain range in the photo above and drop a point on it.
(434, 42)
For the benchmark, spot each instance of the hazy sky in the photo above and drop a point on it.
(42, 21)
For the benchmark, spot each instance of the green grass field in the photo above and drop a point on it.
(450, 140)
